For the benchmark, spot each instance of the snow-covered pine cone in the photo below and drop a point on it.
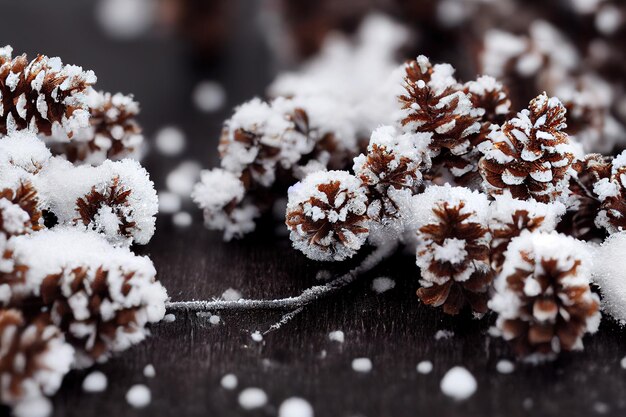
(22, 150)
(220, 194)
(492, 97)
(510, 217)
(530, 156)
(327, 215)
(34, 357)
(20, 209)
(102, 297)
(453, 248)
(434, 102)
(113, 132)
(612, 195)
(543, 299)
(42, 95)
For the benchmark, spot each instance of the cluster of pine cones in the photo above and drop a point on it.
(71, 291)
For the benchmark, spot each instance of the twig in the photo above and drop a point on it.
(289, 303)
(286, 318)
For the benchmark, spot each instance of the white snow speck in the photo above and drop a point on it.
(458, 383)
(528, 403)
(295, 407)
(257, 336)
(169, 318)
(363, 365)
(337, 336)
(252, 398)
(601, 408)
(170, 141)
(623, 362)
(182, 219)
(35, 406)
(229, 382)
(214, 320)
(443, 334)
(382, 284)
(138, 396)
(209, 96)
(95, 382)
(424, 367)
(169, 202)
(125, 19)
(149, 371)
(231, 295)
(505, 367)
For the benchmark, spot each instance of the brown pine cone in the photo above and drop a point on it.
(453, 249)
(531, 155)
(20, 209)
(543, 299)
(34, 357)
(327, 215)
(492, 97)
(42, 95)
(611, 192)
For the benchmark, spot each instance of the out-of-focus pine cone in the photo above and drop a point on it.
(530, 156)
(42, 95)
(453, 249)
(20, 210)
(393, 162)
(34, 357)
(611, 192)
(543, 299)
(113, 132)
(327, 215)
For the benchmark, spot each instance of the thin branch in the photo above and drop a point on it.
(289, 303)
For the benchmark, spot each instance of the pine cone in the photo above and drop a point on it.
(543, 298)
(326, 215)
(34, 357)
(22, 150)
(42, 95)
(113, 133)
(611, 193)
(20, 211)
(492, 97)
(453, 249)
(530, 156)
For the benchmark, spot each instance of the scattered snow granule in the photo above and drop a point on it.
(169, 318)
(231, 295)
(424, 367)
(33, 407)
(505, 367)
(149, 371)
(443, 334)
(138, 396)
(229, 381)
(623, 362)
(209, 96)
(170, 141)
(125, 19)
(337, 336)
(295, 407)
(528, 403)
(458, 383)
(601, 408)
(169, 202)
(182, 179)
(214, 320)
(95, 382)
(251, 398)
(382, 284)
(182, 219)
(257, 336)
(363, 365)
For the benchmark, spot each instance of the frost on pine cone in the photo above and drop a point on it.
(530, 156)
(453, 249)
(611, 193)
(42, 95)
(543, 299)
(34, 357)
(327, 215)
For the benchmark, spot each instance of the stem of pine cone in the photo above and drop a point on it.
(305, 298)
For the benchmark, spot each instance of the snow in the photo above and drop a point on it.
(170, 141)
(169, 202)
(138, 396)
(362, 365)
(382, 284)
(505, 367)
(610, 275)
(229, 382)
(209, 96)
(169, 318)
(424, 367)
(257, 336)
(458, 383)
(214, 320)
(125, 19)
(231, 294)
(33, 407)
(149, 371)
(336, 336)
(444, 334)
(252, 398)
(182, 219)
(24, 150)
(96, 381)
(295, 407)
(623, 362)
(181, 179)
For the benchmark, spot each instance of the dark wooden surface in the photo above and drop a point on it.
(392, 329)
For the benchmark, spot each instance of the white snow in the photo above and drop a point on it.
(125, 19)
(362, 365)
(336, 336)
(252, 398)
(182, 179)
(169, 202)
(138, 396)
(149, 371)
(505, 366)
(609, 272)
(424, 367)
(229, 382)
(209, 96)
(214, 320)
(182, 219)
(444, 334)
(458, 383)
(382, 284)
(295, 407)
(96, 381)
(231, 294)
(623, 362)
(170, 141)
(257, 336)
(169, 318)
(37, 406)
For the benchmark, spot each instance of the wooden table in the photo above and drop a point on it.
(191, 355)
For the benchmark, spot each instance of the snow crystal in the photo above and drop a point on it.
(295, 407)
(382, 284)
(24, 150)
(96, 381)
(125, 19)
(424, 367)
(229, 382)
(33, 407)
(458, 383)
(169, 202)
(209, 96)
(252, 398)
(170, 141)
(149, 371)
(362, 365)
(169, 318)
(182, 219)
(444, 334)
(139, 396)
(257, 336)
(336, 336)
(182, 178)
(610, 275)
(505, 367)
(214, 320)
(231, 295)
